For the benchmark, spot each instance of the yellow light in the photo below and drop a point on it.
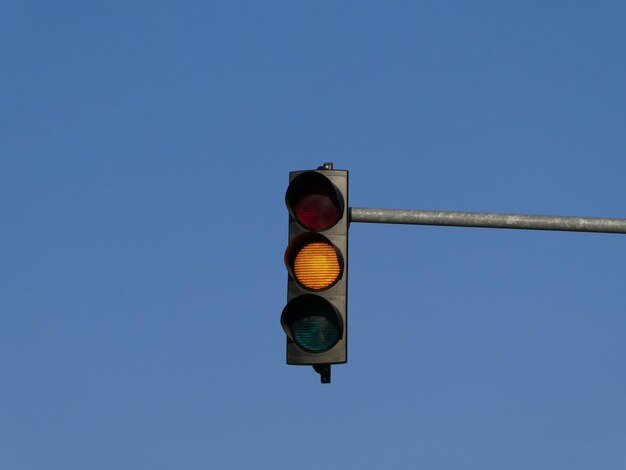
(317, 266)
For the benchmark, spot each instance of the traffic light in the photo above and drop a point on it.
(315, 317)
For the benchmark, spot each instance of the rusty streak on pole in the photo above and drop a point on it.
(488, 220)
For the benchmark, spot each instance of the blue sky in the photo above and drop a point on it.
(144, 154)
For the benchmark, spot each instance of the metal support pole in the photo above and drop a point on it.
(488, 220)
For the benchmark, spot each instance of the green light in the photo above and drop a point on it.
(315, 333)
(312, 323)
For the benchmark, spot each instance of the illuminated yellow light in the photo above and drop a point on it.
(316, 266)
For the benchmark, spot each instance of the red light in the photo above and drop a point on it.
(314, 201)
(317, 212)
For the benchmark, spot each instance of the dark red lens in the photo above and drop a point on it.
(314, 201)
(317, 211)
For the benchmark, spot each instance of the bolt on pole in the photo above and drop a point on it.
(488, 220)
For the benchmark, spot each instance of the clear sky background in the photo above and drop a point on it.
(144, 154)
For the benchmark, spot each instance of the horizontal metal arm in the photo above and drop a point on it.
(487, 220)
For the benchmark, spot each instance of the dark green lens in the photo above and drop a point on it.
(312, 323)
(315, 333)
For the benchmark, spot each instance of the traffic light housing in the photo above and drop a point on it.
(316, 258)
